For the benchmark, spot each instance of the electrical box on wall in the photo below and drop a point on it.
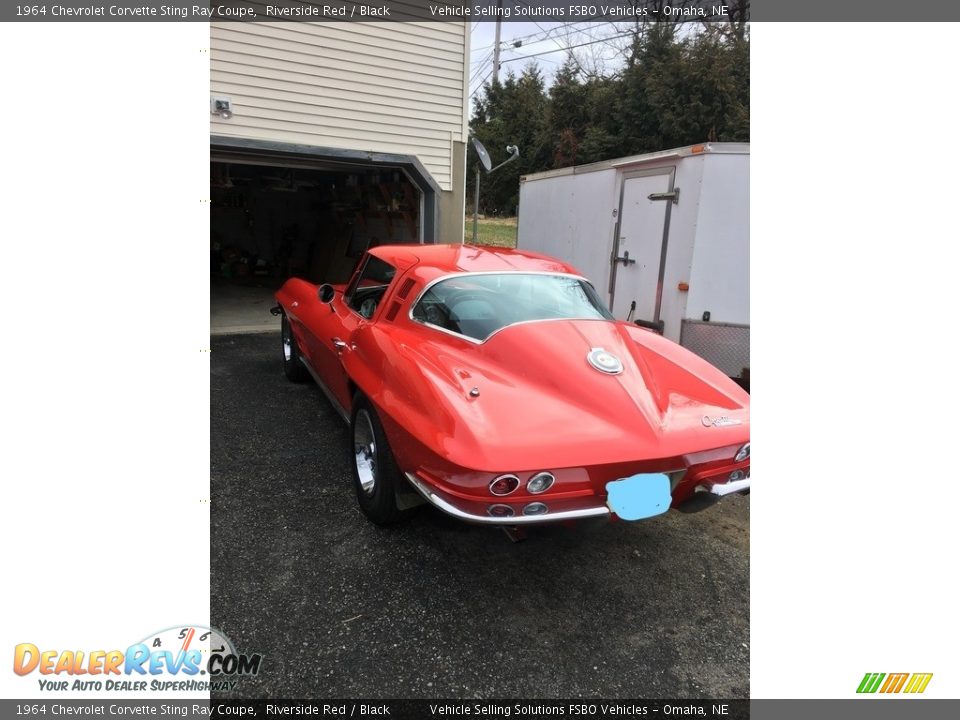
(221, 105)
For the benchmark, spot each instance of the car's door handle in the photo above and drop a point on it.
(339, 344)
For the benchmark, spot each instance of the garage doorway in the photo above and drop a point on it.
(276, 217)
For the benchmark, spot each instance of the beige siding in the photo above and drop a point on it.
(381, 87)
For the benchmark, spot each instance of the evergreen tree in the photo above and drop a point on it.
(512, 113)
(676, 89)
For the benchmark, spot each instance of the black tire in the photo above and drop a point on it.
(290, 353)
(377, 492)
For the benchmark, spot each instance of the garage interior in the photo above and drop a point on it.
(270, 222)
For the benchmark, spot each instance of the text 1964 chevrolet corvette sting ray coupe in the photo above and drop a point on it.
(495, 385)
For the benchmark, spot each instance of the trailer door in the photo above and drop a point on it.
(640, 243)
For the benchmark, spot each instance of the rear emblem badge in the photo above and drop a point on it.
(604, 361)
(723, 421)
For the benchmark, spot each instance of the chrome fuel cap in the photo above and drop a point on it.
(605, 362)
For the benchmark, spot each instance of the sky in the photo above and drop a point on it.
(549, 38)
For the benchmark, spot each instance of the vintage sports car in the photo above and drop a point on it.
(495, 385)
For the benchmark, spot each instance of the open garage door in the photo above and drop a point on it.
(283, 211)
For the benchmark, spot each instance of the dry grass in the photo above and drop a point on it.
(492, 231)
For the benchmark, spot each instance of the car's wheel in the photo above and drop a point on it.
(292, 367)
(376, 477)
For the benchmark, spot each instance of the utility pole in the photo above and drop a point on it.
(496, 46)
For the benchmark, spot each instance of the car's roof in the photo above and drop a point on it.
(469, 258)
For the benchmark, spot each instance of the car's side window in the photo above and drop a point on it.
(369, 287)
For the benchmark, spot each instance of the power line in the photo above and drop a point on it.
(556, 41)
(477, 74)
(481, 65)
(545, 52)
(543, 31)
(546, 35)
(484, 59)
(546, 31)
(569, 47)
(480, 85)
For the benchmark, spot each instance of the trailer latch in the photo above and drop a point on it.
(672, 195)
(625, 259)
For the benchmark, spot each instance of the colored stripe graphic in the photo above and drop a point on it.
(870, 682)
(918, 682)
(894, 682)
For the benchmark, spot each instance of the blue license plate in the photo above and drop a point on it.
(640, 496)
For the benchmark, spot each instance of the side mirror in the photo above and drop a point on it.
(325, 293)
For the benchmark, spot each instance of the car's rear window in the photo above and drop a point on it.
(477, 306)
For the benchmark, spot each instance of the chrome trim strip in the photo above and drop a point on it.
(728, 488)
(450, 276)
(451, 333)
(505, 327)
(421, 487)
(341, 411)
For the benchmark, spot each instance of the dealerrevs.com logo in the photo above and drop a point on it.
(910, 683)
(182, 658)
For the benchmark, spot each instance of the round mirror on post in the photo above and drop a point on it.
(325, 293)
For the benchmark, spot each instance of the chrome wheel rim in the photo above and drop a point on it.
(365, 452)
(287, 344)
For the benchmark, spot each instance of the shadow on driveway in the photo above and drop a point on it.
(436, 608)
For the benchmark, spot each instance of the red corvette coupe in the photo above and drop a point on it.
(495, 385)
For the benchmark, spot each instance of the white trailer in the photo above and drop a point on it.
(664, 237)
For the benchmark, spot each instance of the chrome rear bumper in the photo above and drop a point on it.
(704, 497)
(438, 502)
(737, 486)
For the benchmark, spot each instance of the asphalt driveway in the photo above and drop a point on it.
(340, 608)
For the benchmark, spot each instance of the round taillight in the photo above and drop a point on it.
(535, 508)
(541, 482)
(500, 511)
(504, 485)
(742, 454)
